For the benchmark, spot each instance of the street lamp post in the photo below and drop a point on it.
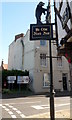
(51, 86)
(38, 33)
(48, 20)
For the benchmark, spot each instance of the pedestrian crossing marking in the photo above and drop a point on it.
(6, 109)
(22, 115)
(19, 112)
(38, 107)
(10, 112)
(13, 116)
(12, 108)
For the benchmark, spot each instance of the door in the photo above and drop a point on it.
(64, 81)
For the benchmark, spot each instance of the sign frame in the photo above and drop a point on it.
(37, 33)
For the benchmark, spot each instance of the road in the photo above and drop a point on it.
(27, 106)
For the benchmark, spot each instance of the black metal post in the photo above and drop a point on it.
(51, 86)
(56, 25)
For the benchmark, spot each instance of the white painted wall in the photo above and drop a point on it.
(32, 50)
(29, 52)
(15, 55)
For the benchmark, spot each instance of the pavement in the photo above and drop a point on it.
(65, 115)
(21, 94)
(61, 114)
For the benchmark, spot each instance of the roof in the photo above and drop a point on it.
(5, 66)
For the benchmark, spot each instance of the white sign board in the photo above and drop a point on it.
(11, 78)
(10, 81)
(23, 79)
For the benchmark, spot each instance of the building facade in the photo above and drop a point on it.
(31, 55)
(64, 23)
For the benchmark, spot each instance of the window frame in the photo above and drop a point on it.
(45, 81)
(59, 62)
(43, 62)
(43, 43)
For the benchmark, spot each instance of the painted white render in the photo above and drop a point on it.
(31, 61)
(15, 55)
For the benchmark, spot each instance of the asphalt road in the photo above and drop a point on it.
(28, 106)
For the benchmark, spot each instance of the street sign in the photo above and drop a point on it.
(11, 78)
(22, 79)
(11, 81)
(41, 32)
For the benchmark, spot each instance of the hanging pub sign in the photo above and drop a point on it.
(41, 32)
(64, 20)
(65, 17)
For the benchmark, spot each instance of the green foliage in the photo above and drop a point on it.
(6, 91)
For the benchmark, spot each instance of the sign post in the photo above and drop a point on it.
(41, 31)
(45, 32)
(51, 85)
(11, 81)
(22, 80)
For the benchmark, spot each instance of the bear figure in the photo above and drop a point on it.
(39, 11)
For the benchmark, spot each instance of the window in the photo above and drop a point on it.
(59, 61)
(46, 80)
(43, 61)
(43, 42)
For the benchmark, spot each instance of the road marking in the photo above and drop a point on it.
(10, 106)
(32, 102)
(3, 107)
(22, 103)
(62, 105)
(22, 115)
(0, 104)
(19, 112)
(13, 116)
(10, 112)
(6, 109)
(38, 107)
(16, 110)
(7, 104)
(61, 110)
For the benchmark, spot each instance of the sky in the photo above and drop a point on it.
(16, 18)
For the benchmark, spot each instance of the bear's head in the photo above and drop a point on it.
(41, 4)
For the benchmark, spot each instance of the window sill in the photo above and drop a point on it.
(46, 87)
(43, 66)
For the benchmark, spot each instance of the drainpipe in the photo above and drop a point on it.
(70, 67)
(22, 54)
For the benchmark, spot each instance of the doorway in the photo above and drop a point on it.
(64, 79)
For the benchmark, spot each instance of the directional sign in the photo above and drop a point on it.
(22, 79)
(41, 32)
(11, 78)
